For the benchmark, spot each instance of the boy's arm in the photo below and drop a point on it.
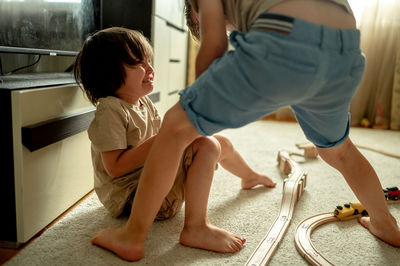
(120, 162)
(213, 36)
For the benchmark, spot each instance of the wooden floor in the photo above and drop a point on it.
(7, 253)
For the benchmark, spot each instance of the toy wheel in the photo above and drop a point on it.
(395, 197)
(355, 212)
(364, 213)
(386, 196)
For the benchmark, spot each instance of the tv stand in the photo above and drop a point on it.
(35, 80)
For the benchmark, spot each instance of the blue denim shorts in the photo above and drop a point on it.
(312, 68)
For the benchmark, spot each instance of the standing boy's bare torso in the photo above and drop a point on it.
(322, 12)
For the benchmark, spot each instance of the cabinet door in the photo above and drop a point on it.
(171, 10)
(161, 59)
(170, 61)
(177, 64)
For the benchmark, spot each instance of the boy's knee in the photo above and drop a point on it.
(209, 145)
(226, 145)
(336, 155)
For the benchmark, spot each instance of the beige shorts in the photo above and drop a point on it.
(174, 200)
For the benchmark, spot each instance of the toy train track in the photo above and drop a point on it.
(303, 238)
(303, 232)
(293, 188)
(378, 151)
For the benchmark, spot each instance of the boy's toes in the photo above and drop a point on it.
(238, 245)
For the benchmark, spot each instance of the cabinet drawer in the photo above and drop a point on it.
(51, 179)
(177, 60)
(178, 45)
(38, 105)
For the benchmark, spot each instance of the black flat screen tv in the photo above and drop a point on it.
(47, 27)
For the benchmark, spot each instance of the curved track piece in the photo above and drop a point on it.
(303, 233)
(293, 188)
(303, 238)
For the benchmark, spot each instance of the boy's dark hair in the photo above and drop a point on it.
(193, 27)
(99, 66)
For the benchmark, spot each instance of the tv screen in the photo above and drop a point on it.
(48, 27)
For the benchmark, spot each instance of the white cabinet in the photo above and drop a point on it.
(170, 62)
(49, 164)
(172, 11)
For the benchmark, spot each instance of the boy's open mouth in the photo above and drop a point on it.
(148, 80)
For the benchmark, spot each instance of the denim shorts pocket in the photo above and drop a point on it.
(358, 68)
(290, 63)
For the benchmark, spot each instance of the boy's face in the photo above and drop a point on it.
(138, 81)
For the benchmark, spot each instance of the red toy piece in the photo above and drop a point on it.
(392, 193)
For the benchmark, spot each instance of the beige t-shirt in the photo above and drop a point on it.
(119, 125)
(242, 13)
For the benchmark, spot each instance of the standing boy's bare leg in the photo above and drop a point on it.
(197, 231)
(155, 182)
(365, 184)
(232, 161)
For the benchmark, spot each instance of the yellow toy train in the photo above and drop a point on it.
(350, 210)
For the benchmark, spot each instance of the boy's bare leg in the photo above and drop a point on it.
(197, 231)
(155, 182)
(233, 162)
(364, 182)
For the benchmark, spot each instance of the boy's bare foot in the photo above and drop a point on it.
(116, 239)
(389, 232)
(257, 179)
(211, 238)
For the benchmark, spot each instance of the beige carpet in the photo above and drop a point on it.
(247, 213)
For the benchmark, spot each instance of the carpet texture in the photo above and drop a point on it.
(248, 213)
